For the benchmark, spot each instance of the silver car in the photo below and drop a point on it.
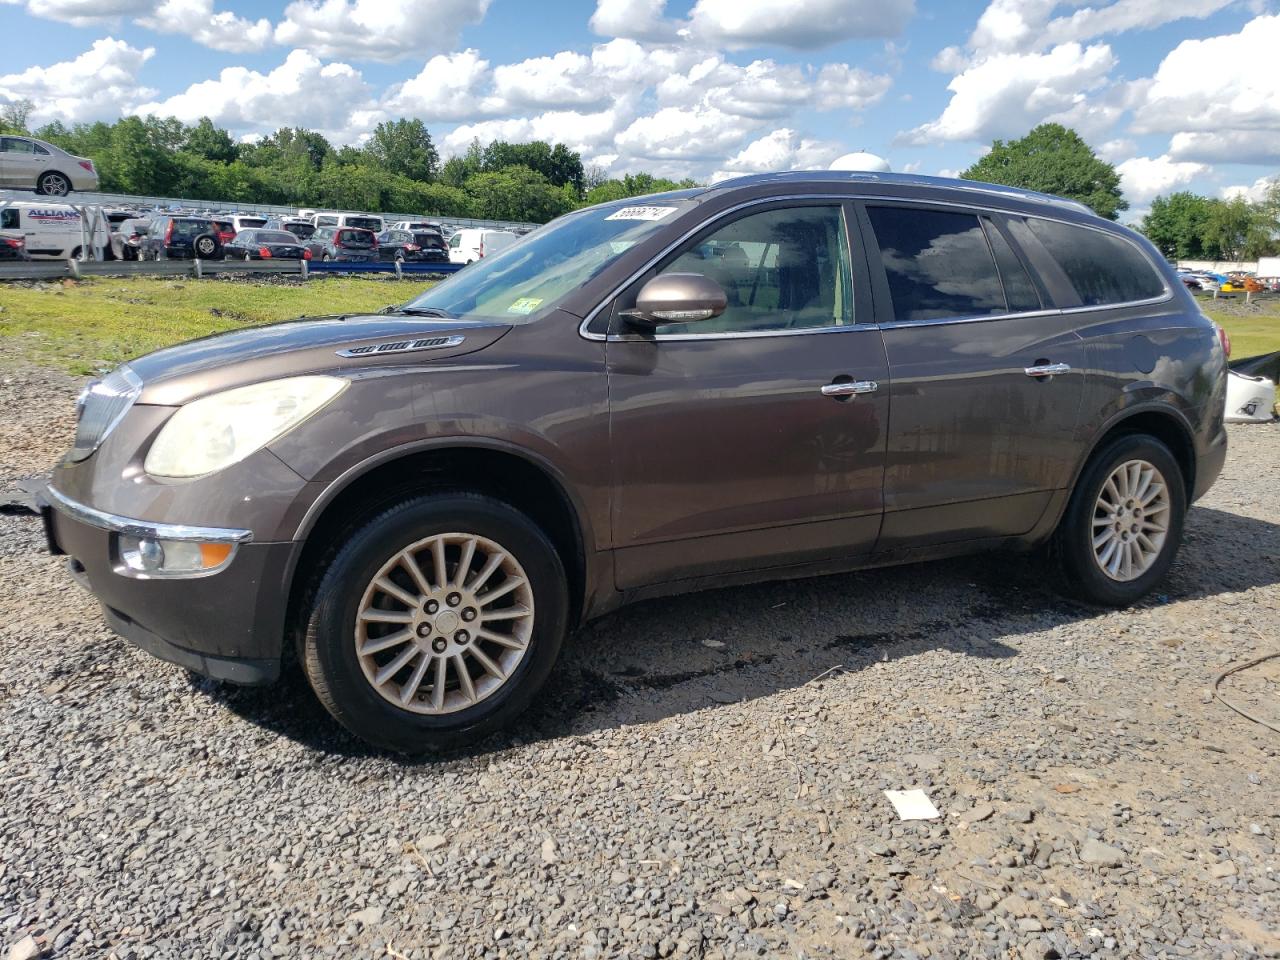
(30, 164)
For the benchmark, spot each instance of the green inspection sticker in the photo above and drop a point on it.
(525, 305)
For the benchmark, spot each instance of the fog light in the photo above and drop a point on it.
(172, 558)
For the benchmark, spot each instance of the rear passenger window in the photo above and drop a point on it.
(9, 219)
(1018, 288)
(1102, 267)
(938, 263)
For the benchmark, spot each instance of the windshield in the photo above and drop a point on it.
(274, 236)
(534, 274)
(365, 223)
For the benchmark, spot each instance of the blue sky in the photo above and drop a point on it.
(1178, 93)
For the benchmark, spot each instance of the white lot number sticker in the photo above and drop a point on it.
(641, 213)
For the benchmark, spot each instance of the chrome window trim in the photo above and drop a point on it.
(143, 528)
(844, 197)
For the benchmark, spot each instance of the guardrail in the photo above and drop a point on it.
(231, 206)
(77, 269)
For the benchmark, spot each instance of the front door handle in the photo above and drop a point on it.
(1047, 369)
(850, 388)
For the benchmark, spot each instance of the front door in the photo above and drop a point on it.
(728, 453)
(987, 383)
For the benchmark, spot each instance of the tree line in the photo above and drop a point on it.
(397, 170)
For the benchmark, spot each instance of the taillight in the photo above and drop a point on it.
(374, 240)
(264, 253)
(15, 242)
(168, 234)
(306, 254)
(482, 248)
(337, 240)
(1225, 339)
(87, 164)
(412, 246)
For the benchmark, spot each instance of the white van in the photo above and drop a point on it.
(365, 221)
(467, 246)
(52, 231)
(247, 221)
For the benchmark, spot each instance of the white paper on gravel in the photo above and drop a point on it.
(912, 804)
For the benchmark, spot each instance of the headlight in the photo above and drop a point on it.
(214, 432)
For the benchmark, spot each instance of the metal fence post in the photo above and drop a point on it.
(305, 273)
(399, 272)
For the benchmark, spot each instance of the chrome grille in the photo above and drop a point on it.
(100, 407)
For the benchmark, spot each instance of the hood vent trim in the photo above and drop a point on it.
(401, 346)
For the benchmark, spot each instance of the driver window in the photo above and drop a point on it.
(784, 269)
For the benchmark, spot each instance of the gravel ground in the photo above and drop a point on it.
(703, 778)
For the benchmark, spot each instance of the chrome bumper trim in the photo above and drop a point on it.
(142, 528)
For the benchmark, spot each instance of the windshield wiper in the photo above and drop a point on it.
(422, 312)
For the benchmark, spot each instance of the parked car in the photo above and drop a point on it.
(30, 164)
(224, 228)
(415, 225)
(302, 229)
(472, 244)
(418, 246)
(362, 220)
(51, 231)
(346, 244)
(181, 238)
(266, 245)
(617, 409)
(243, 221)
(127, 238)
(13, 247)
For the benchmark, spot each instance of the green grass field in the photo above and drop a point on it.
(90, 325)
(87, 326)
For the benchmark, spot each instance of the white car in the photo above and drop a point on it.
(470, 245)
(363, 221)
(30, 164)
(414, 225)
(52, 231)
(247, 221)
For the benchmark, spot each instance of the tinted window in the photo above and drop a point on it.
(355, 236)
(1018, 288)
(783, 269)
(365, 223)
(14, 145)
(274, 236)
(41, 151)
(191, 228)
(429, 240)
(938, 264)
(9, 219)
(1102, 267)
(252, 222)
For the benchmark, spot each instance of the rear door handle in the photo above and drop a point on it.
(850, 388)
(1048, 370)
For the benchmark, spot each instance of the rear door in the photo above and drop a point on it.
(987, 377)
(755, 439)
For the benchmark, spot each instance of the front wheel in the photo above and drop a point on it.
(436, 623)
(1123, 525)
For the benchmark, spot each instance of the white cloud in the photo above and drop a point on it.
(1227, 146)
(303, 91)
(448, 87)
(591, 134)
(683, 133)
(84, 13)
(220, 31)
(633, 19)
(99, 84)
(782, 149)
(786, 23)
(1004, 95)
(1258, 191)
(385, 30)
(1113, 151)
(1142, 178)
(764, 88)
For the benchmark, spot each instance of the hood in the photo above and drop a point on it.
(343, 344)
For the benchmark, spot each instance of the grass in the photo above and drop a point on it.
(90, 325)
(1253, 330)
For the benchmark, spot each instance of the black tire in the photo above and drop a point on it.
(329, 648)
(1081, 576)
(205, 246)
(326, 258)
(52, 185)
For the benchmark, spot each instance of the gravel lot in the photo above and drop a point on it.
(703, 778)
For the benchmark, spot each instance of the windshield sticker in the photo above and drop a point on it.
(641, 213)
(525, 305)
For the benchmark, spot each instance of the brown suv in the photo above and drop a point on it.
(773, 377)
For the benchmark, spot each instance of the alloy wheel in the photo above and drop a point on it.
(1130, 520)
(444, 623)
(54, 185)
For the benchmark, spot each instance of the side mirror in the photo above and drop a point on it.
(677, 298)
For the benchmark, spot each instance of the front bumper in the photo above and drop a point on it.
(228, 625)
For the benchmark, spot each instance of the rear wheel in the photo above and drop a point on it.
(436, 623)
(1123, 525)
(53, 185)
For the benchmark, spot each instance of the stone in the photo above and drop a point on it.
(432, 842)
(368, 916)
(1097, 852)
(1220, 871)
(977, 814)
(550, 850)
(28, 948)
